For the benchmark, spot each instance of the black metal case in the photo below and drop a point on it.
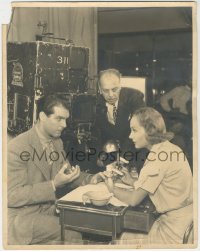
(41, 68)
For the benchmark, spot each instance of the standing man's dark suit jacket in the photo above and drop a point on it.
(30, 189)
(129, 101)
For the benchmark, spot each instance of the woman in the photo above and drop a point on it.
(166, 178)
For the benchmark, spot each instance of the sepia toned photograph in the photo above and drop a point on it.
(100, 125)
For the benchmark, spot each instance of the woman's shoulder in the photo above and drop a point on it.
(165, 155)
(173, 156)
(169, 146)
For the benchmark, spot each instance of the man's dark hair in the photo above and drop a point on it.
(47, 103)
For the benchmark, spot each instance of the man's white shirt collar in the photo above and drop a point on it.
(109, 105)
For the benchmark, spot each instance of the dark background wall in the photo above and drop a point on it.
(151, 42)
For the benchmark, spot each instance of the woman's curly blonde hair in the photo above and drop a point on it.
(154, 125)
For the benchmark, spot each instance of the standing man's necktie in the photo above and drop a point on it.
(114, 113)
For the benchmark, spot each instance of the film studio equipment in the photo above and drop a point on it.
(37, 69)
(110, 155)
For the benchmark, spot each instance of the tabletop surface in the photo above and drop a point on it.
(78, 206)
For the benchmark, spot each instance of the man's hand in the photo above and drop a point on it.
(99, 177)
(61, 178)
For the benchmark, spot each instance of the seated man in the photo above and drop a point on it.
(37, 167)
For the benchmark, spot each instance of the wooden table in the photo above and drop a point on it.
(104, 220)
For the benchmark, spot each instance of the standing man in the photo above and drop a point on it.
(36, 169)
(114, 109)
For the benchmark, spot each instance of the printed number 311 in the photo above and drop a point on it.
(62, 60)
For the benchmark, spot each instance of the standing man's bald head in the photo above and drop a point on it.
(109, 84)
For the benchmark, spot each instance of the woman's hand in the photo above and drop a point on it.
(109, 183)
(101, 176)
(98, 177)
(105, 176)
(127, 179)
(108, 179)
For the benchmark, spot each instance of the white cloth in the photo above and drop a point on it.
(77, 194)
